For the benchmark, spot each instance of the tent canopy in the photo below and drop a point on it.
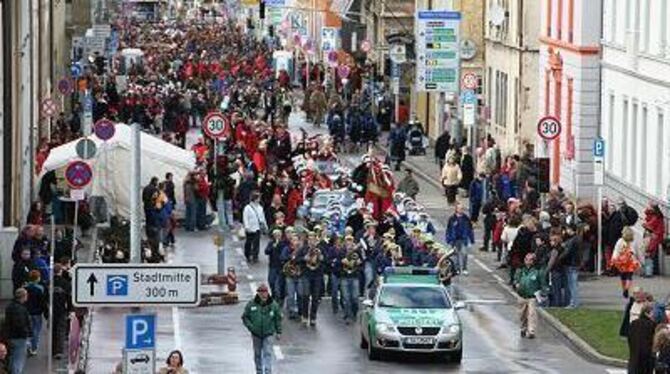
(112, 165)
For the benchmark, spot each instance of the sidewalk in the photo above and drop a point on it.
(596, 292)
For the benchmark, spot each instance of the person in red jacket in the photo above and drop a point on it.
(654, 226)
(259, 158)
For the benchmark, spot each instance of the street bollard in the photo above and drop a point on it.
(232, 279)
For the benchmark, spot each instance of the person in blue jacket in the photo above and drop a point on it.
(476, 196)
(460, 236)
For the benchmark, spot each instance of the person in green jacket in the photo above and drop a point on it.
(530, 284)
(262, 317)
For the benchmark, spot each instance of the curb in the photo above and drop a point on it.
(581, 345)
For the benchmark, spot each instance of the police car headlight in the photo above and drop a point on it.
(385, 327)
(451, 329)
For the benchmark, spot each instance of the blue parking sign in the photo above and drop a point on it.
(599, 148)
(117, 285)
(140, 331)
(468, 97)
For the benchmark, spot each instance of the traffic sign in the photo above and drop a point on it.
(468, 114)
(549, 127)
(65, 86)
(599, 147)
(139, 361)
(437, 35)
(49, 107)
(136, 285)
(215, 125)
(469, 81)
(366, 46)
(332, 57)
(78, 174)
(86, 148)
(75, 70)
(468, 97)
(397, 53)
(104, 129)
(140, 331)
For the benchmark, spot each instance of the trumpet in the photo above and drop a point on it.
(351, 261)
(314, 258)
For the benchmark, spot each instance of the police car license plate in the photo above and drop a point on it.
(419, 340)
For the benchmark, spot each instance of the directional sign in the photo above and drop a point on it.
(437, 50)
(78, 174)
(104, 129)
(86, 149)
(136, 285)
(469, 81)
(65, 86)
(140, 331)
(328, 38)
(549, 128)
(398, 53)
(49, 107)
(139, 361)
(216, 125)
(75, 69)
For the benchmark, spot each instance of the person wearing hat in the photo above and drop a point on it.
(262, 318)
(293, 265)
(274, 250)
(350, 263)
(313, 258)
(530, 284)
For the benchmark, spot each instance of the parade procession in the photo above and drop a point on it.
(286, 186)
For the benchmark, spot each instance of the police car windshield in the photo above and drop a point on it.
(413, 297)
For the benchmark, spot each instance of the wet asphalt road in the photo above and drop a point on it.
(213, 339)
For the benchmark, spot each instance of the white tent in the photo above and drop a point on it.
(112, 165)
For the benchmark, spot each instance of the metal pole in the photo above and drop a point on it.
(599, 266)
(135, 200)
(74, 230)
(50, 322)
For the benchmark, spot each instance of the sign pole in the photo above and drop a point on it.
(135, 200)
(50, 322)
(599, 266)
(74, 229)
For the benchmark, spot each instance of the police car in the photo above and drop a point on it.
(411, 312)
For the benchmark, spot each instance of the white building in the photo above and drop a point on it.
(636, 99)
(570, 88)
(511, 35)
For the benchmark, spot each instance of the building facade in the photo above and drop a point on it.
(569, 89)
(636, 100)
(512, 68)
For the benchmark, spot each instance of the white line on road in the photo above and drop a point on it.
(278, 353)
(177, 329)
(482, 265)
(616, 371)
(250, 277)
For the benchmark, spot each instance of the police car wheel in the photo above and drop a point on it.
(364, 343)
(374, 354)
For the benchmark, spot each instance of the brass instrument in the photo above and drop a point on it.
(314, 258)
(351, 261)
(444, 266)
(291, 269)
(396, 255)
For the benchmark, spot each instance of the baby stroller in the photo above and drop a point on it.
(416, 140)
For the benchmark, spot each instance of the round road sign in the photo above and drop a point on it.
(343, 71)
(78, 174)
(469, 81)
(549, 127)
(366, 46)
(104, 129)
(65, 86)
(215, 125)
(86, 148)
(49, 107)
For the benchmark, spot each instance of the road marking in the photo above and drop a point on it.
(617, 371)
(482, 265)
(176, 326)
(278, 353)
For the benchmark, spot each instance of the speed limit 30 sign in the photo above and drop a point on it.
(549, 127)
(215, 125)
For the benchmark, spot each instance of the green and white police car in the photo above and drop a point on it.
(411, 312)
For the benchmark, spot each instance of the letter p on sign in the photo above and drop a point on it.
(140, 331)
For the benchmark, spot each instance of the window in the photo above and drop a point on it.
(624, 143)
(643, 149)
(559, 20)
(627, 14)
(663, 28)
(610, 134)
(660, 151)
(547, 92)
(568, 117)
(550, 3)
(645, 26)
(633, 144)
(517, 122)
(613, 20)
(489, 89)
(571, 20)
